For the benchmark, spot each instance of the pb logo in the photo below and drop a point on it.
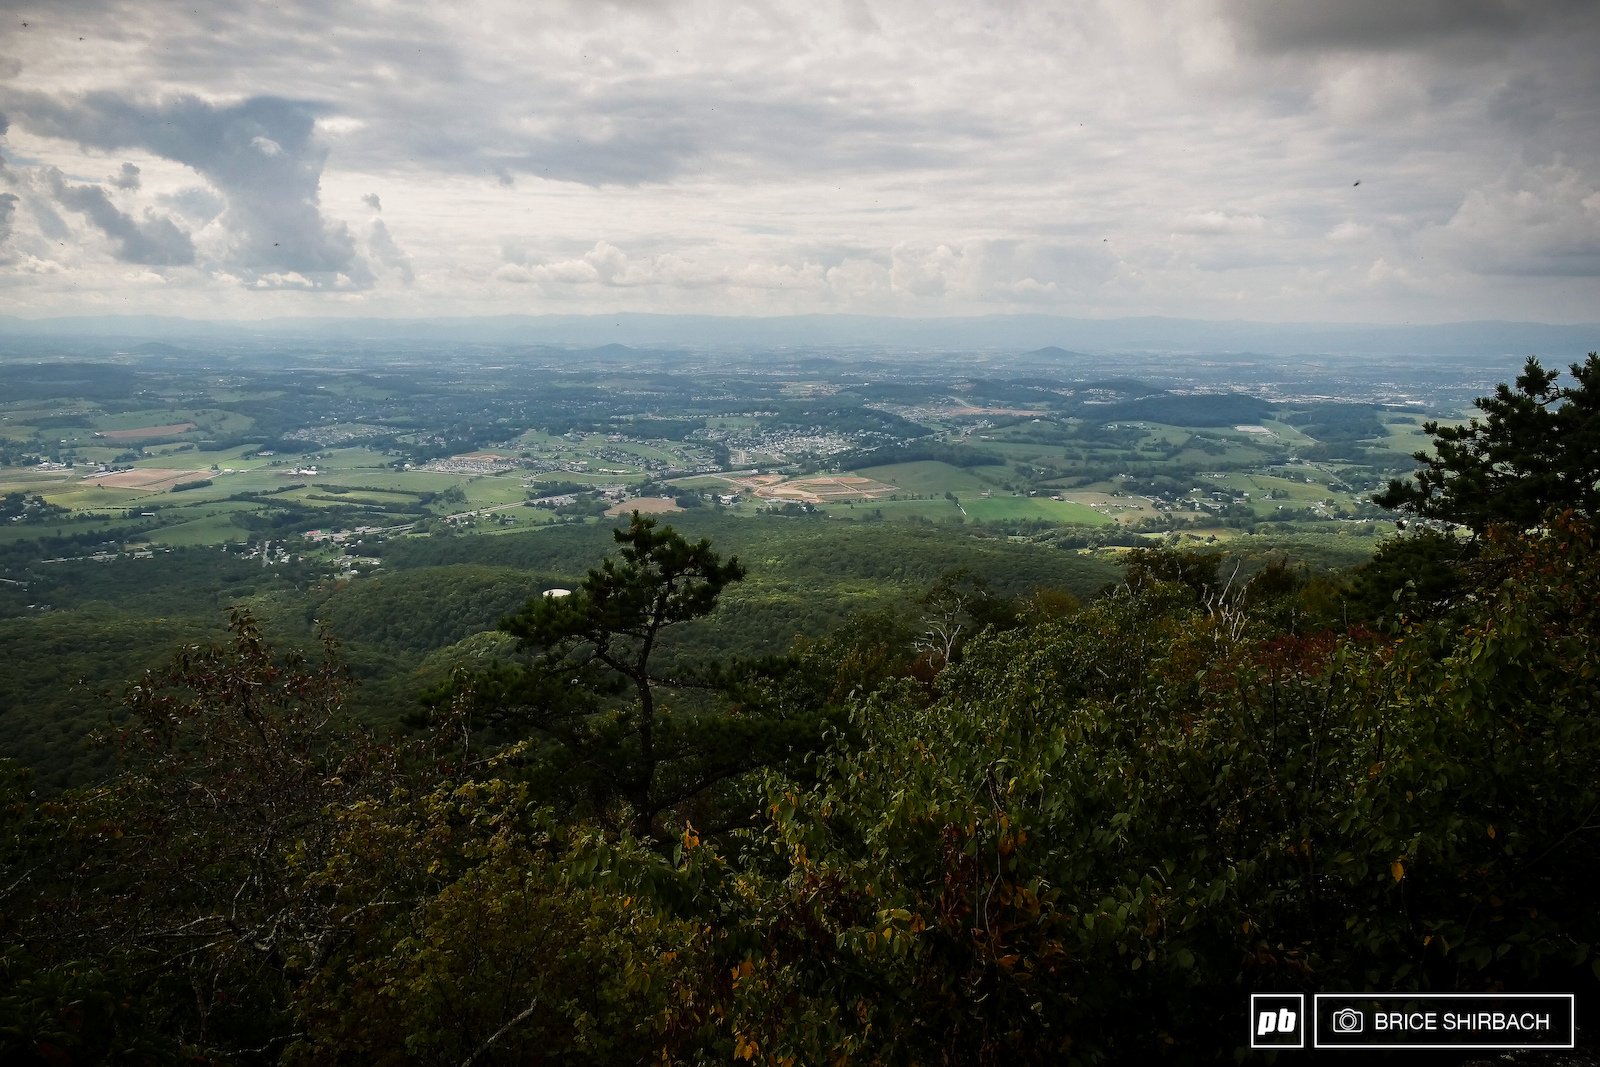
(1281, 1021)
(1277, 1020)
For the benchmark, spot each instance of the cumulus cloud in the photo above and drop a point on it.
(40, 208)
(127, 178)
(1386, 274)
(8, 209)
(999, 271)
(923, 271)
(156, 241)
(372, 201)
(198, 204)
(603, 265)
(383, 248)
(281, 280)
(1211, 223)
(1351, 231)
(261, 156)
(1538, 220)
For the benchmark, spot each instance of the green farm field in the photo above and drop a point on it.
(1010, 508)
(932, 476)
(937, 509)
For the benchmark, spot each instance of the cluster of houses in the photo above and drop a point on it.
(473, 464)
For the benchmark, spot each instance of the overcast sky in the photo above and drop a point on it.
(1329, 160)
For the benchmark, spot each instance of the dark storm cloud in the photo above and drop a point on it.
(1288, 25)
(157, 241)
(261, 155)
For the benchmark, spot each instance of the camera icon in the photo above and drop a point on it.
(1348, 1021)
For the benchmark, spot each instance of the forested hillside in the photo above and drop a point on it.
(110, 620)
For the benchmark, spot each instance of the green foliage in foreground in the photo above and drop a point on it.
(1108, 830)
(1085, 839)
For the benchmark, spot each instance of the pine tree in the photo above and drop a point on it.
(1537, 449)
(594, 686)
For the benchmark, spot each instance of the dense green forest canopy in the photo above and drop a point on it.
(1080, 821)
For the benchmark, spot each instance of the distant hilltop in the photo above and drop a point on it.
(612, 335)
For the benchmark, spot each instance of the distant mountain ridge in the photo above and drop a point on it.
(1034, 334)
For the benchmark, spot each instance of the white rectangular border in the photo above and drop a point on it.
(1301, 997)
(1316, 1020)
